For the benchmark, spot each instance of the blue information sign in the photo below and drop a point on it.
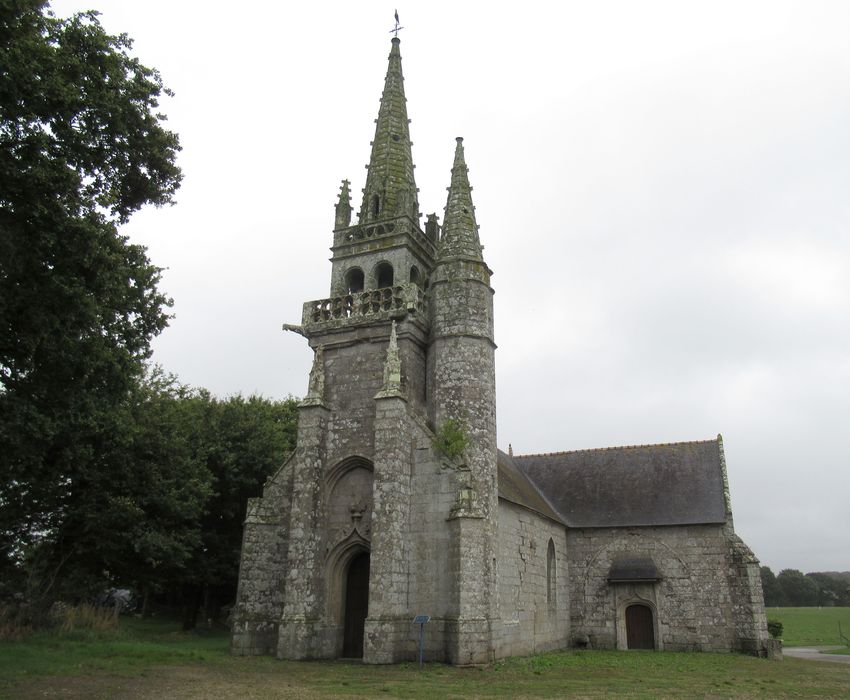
(421, 620)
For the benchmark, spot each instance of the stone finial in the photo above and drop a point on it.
(316, 386)
(460, 231)
(432, 227)
(510, 450)
(392, 369)
(343, 207)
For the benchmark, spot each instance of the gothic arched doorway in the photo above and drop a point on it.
(640, 631)
(356, 606)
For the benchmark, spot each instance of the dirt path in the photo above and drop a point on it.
(815, 654)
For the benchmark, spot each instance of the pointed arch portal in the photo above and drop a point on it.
(356, 606)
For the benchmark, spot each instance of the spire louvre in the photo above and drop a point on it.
(390, 189)
(460, 231)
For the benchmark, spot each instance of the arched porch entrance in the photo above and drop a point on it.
(356, 606)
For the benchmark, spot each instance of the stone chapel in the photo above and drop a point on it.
(370, 523)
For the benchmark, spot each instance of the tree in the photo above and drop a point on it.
(833, 587)
(797, 589)
(243, 442)
(772, 591)
(81, 148)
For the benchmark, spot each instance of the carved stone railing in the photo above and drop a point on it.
(364, 232)
(371, 305)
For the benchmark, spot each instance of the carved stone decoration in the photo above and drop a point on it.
(348, 510)
(392, 369)
(343, 207)
(316, 385)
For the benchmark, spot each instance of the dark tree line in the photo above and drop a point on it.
(795, 589)
(110, 473)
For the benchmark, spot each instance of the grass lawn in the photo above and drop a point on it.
(811, 627)
(152, 659)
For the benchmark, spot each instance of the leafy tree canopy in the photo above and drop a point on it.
(797, 589)
(81, 148)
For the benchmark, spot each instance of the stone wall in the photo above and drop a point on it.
(533, 593)
(434, 485)
(698, 604)
(751, 634)
(265, 542)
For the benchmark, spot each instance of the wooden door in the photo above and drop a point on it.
(356, 606)
(640, 633)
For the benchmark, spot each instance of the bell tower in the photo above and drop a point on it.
(368, 523)
(351, 490)
(385, 247)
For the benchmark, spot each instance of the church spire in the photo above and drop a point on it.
(460, 232)
(390, 187)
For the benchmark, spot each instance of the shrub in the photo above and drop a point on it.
(774, 627)
(18, 622)
(452, 439)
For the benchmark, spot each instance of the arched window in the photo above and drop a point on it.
(414, 274)
(384, 275)
(376, 204)
(551, 576)
(353, 280)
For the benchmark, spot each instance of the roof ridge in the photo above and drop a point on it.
(616, 447)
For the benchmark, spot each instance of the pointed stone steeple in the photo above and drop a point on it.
(460, 232)
(390, 187)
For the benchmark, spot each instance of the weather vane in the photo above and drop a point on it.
(395, 30)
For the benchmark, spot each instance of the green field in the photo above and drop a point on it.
(153, 659)
(811, 627)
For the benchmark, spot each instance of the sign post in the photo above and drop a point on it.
(421, 620)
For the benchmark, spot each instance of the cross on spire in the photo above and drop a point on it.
(395, 30)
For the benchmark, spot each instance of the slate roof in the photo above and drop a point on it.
(514, 486)
(633, 569)
(670, 484)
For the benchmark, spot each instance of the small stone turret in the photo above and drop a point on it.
(462, 389)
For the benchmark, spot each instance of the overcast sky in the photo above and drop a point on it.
(663, 190)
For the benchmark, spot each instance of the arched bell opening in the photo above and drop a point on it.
(383, 275)
(354, 280)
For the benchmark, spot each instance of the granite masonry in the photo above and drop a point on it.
(376, 518)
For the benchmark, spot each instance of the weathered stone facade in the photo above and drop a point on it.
(693, 602)
(368, 523)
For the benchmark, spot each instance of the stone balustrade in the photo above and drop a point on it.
(388, 302)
